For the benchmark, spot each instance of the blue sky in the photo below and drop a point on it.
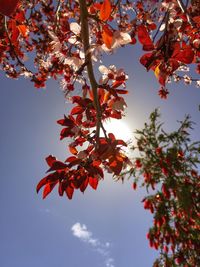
(106, 228)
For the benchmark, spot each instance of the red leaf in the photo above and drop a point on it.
(112, 137)
(116, 114)
(7, 7)
(185, 55)
(196, 19)
(134, 186)
(66, 132)
(20, 17)
(69, 192)
(107, 36)
(77, 110)
(117, 84)
(105, 10)
(93, 181)
(49, 178)
(143, 37)
(41, 184)
(48, 188)
(147, 47)
(66, 122)
(163, 93)
(73, 161)
(61, 122)
(50, 160)
(121, 142)
(99, 171)
(146, 59)
(96, 163)
(84, 185)
(14, 30)
(152, 26)
(60, 190)
(57, 165)
(121, 92)
(116, 167)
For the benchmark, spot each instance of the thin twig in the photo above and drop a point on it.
(184, 10)
(164, 18)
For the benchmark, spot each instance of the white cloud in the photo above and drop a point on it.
(110, 262)
(81, 232)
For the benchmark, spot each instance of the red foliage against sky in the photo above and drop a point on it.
(64, 39)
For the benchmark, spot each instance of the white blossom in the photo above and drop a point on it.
(27, 74)
(187, 79)
(120, 38)
(55, 43)
(198, 83)
(76, 29)
(119, 105)
(63, 84)
(75, 62)
(176, 78)
(46, 64)
(184, 68)
(112, 71)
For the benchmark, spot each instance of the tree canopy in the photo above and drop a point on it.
(66, 41)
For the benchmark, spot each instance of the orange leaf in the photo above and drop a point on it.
(107, 36)
(106, 96)
(157, 71)
(160, 75)
(7, 7)
(105, 10)
(23, 30)
(73, 150)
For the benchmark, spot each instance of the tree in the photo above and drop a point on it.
(65, 39)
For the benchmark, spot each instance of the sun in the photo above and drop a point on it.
(119, 128)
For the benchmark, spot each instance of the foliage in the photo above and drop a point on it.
(168, 164)
(65, 38)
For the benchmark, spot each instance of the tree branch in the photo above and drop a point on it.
(86, 45)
